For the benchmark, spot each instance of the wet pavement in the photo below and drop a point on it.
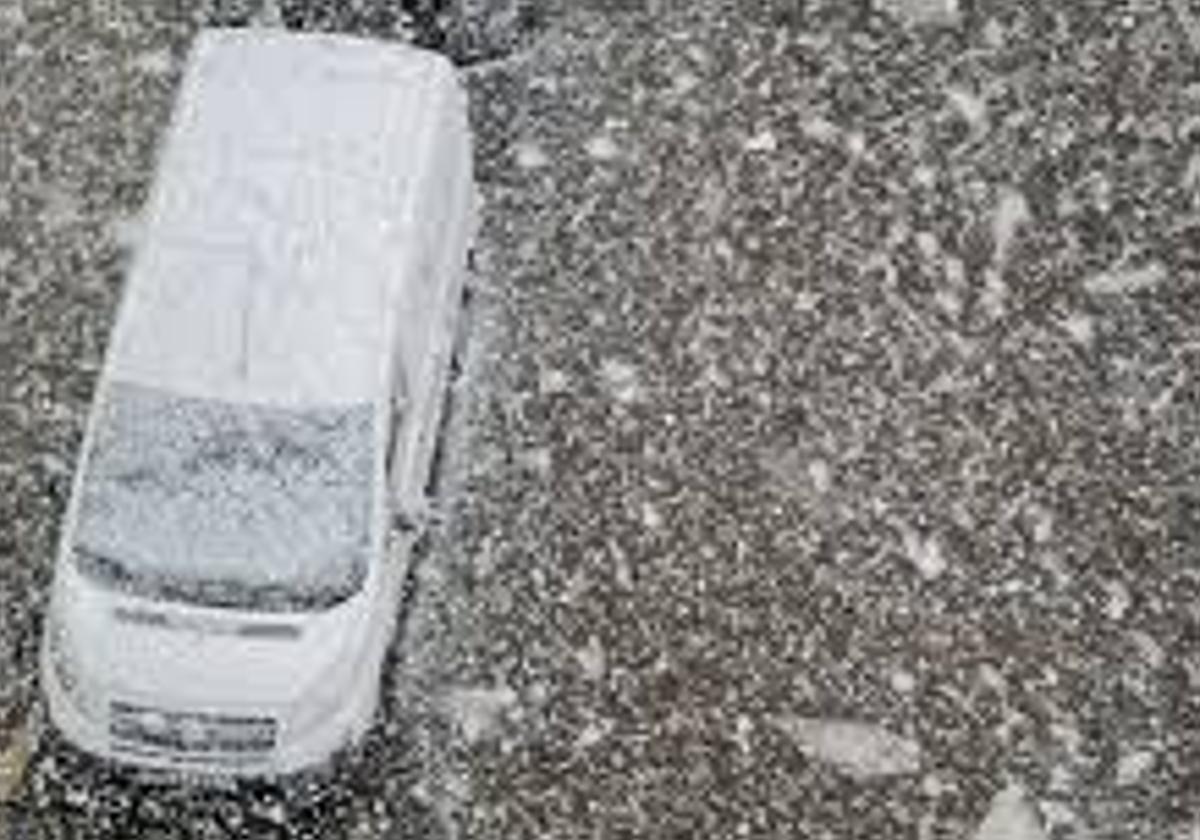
(825, 461)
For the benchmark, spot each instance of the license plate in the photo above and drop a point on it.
(191, 732)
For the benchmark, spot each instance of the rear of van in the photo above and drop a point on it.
(223, 595)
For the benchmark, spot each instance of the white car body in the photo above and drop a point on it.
(285, 332)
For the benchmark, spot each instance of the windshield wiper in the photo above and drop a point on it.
(102, 565)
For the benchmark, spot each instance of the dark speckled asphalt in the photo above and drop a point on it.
(825, 462)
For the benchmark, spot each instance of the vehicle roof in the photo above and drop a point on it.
(278, 221)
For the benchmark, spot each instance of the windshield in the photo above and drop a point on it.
(227, 504)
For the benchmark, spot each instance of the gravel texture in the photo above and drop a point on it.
(825, 461)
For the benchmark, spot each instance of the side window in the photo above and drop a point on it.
(399, 393)
(399, 410)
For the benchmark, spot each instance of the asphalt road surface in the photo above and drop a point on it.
(826, 457)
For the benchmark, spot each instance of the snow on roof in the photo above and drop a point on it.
(279, 218)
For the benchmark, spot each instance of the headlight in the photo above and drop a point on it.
(63, 659)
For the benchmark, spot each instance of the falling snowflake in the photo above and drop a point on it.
(925, 554)
(477, 711)
(1121, 281)
(861, 750)
(530, 156)
(764, 141)
(602, 148)
(1011, 817)
(621, 380)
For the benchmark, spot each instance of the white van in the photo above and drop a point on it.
(226, 586)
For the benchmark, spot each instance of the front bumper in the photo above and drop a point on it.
(204, 741)
(178, 720)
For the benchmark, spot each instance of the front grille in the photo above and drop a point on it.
(191, 733)
(207, 625)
